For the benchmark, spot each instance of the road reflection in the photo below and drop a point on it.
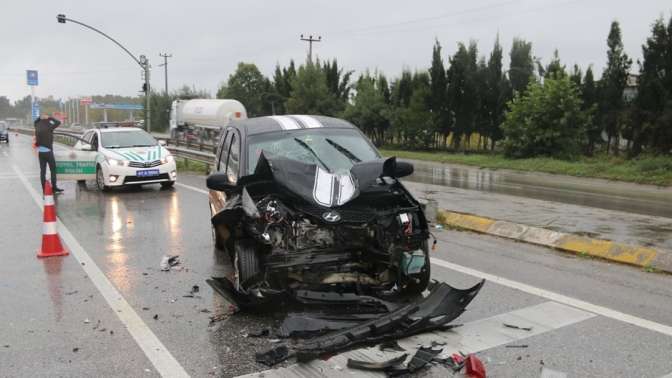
(52, 268)
(116, 255)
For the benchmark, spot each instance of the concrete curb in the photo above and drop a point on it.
(643, 257)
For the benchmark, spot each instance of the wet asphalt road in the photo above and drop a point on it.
(56, 323)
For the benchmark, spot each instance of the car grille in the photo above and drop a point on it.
(136, 179)
(149, 164)
(347, 215)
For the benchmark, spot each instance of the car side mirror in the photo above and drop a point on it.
(403, 169)
(219, 181)
(162, 142)
(86, 147)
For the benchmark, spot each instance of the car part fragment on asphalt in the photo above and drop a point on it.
(516, 327)
(474, 367)
(273, 356)
(169, 261)
(392, 345)
(377, 366)
(441, 306)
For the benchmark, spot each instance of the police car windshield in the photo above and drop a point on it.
(125, 139)
(336, 150)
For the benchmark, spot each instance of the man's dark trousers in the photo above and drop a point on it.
(47, 158)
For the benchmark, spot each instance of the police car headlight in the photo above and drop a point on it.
(117, 163)
(167, 159)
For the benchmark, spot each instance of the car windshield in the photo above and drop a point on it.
(130, 138)
(335, 150)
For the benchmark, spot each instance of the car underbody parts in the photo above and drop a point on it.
(377, 366)
(434, 312)
(273, 356)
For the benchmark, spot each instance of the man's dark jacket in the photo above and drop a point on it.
(44, 132)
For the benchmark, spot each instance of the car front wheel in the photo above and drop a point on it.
(100, 180)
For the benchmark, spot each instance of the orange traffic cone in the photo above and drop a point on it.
(51, 242)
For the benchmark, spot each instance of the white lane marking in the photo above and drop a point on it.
(472, 337)
(192, 188)
(156, 352)
(583, 305)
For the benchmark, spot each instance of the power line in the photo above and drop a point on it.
(165, 57)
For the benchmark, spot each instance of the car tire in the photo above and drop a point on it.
(100, 180)
(417, 286)
(168, 184)
(247, 262)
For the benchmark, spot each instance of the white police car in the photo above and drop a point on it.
(118, 156)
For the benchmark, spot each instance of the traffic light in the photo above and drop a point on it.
(144, 87)
(61, 18)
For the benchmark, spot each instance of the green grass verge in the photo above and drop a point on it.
(656, 170)
(184, 165)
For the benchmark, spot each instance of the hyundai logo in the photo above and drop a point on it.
(331, 216)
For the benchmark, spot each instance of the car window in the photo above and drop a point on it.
(233, 163)
(87, 136)
(129, 138)
(224, 152)
(335, 150)
(94, 141)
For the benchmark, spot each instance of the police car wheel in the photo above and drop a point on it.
(100, 180)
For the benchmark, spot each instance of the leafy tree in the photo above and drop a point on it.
(576, 76)
(246, 85)
(439, 93)
(652, 124)
(590, 98)
(555, 69)
(521, 66)
(369, 110)
(415, 120)
(462, 91)
(310, 94)
(282, 84)
(496, 95)
(547, 120)
(6, 108)
(613, 82)
(338, 82)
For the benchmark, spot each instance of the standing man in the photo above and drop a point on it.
(44, 139)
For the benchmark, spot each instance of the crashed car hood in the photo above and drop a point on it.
(317, 185)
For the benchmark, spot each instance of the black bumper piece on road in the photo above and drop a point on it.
(443, 305)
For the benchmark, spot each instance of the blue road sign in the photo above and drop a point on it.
(116, 106)
(31, 77)
(36, 110)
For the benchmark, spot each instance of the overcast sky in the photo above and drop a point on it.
(209, 37)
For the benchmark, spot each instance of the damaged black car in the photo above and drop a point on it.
(304, 205)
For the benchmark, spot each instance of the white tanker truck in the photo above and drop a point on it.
(202, 119)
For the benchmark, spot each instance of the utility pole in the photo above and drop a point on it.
(165, 57)
(144, 62)
(310, 41)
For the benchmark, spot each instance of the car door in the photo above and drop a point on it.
(217, 198)
(78, 162)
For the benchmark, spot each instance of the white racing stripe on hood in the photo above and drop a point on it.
(332, 189)
(287, 123)
(308, 121)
